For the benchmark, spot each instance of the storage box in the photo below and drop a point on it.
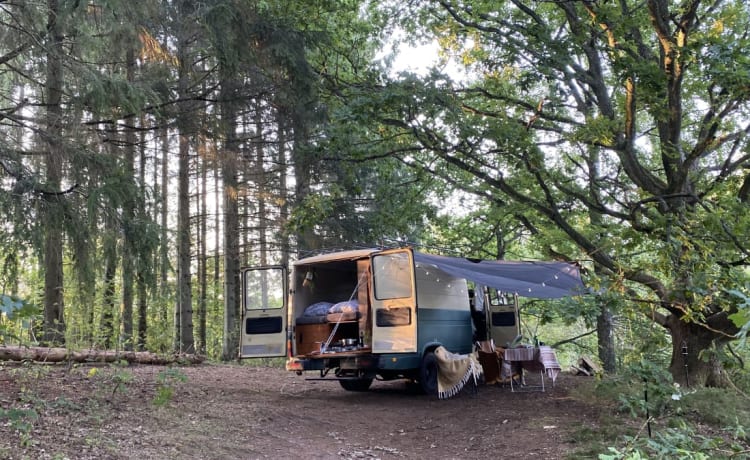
(310, 336)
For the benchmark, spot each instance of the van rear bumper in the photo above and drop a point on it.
(345, 362)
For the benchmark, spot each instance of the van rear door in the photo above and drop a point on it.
(394, 305)
(503, 318)
(264, 312)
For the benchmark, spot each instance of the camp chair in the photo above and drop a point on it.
(490, 361)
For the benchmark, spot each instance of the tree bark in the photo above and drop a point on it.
(260, 184)
(695, 354)
(202, 258)
(54, 318)
(230, 155)
(141, 282)
(284, 244)
(605, 338)
(184, 308)
(128, 218)
(164, 242)
(302, 174)
(58, 355)
(110, 270)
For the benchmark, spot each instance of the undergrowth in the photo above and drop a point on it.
(648, 417)
(22, 417)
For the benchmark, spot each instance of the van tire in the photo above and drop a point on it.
(428, 373)
(355, 384)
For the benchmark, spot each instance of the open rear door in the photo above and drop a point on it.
(503, 320)
(394, 307)
(264, 312)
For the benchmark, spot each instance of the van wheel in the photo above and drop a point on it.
(356, 384)
(428, 373)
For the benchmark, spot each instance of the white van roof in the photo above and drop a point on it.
(334, 256)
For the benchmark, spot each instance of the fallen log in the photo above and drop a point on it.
(59, 355)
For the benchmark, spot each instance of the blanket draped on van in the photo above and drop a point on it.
(454, 371)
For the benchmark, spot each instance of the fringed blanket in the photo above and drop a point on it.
(454, 371)
(548, 358)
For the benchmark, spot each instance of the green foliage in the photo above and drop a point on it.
(569, 121)
(646, 388)
(115, 96)
(678, 417)
(20, 316)
(166, 381)
(682, 442)
(683, 422)
(741, 317)
(113, 382)
(17, 308)
(21, 421)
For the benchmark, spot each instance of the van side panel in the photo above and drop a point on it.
(443, 314)
(449, 328)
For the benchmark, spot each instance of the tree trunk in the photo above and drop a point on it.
(694, 354)
(307, 240)
(128, 218)
(142, 311)
(605, 336)
(110, 270)
(58, 355)
(283, 192)
(202, 266)
(164, 242)
(229, 155)
(184, 323)
(260, 184)
(185, 127)
(141, 282)
(605, 339)
(54, 319)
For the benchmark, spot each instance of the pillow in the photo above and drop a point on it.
(317, 309)
(347, 306)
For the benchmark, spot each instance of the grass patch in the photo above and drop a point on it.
(715, 406)
(592, 438)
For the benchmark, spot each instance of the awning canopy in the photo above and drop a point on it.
(540, 280)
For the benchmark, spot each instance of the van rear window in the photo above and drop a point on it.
(386, 317)
(264, 288)
(503, 318)
(392, 276)
(271, 325)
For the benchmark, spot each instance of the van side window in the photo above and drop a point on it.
(392, 276)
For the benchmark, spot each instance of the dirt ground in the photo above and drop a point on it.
(246, 412)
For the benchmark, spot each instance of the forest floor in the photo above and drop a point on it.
(213, 411)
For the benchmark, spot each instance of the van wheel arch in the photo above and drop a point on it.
(428, 372)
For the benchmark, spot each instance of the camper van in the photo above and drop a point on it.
(359, 315)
